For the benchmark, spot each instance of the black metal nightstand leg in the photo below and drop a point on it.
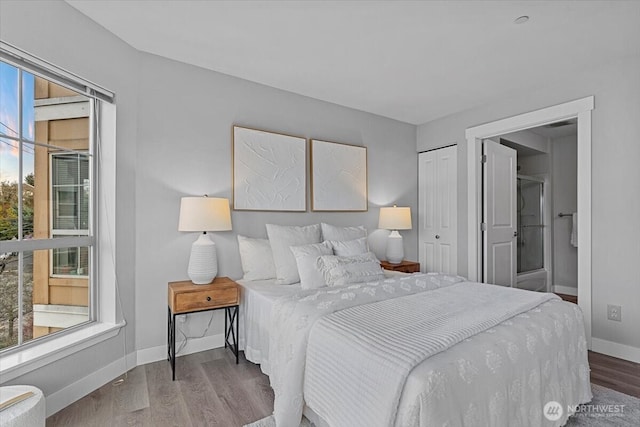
(172, 341)
(226, 327)
(237, 337)
(229, 331)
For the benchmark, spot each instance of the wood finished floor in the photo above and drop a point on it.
(211, 390)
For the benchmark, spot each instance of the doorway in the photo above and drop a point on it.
(579, 109)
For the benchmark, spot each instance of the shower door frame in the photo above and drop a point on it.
(547, 236)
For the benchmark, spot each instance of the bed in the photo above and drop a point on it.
(357, 354)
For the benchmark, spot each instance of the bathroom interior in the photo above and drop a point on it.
(546, 203)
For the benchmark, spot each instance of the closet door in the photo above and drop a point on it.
(437, 210)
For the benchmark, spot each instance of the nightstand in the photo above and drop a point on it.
(404, 266)
(184, 297)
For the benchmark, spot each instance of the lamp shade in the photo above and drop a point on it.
(204, 214)
(395, 218)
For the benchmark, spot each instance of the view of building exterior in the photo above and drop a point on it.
(50, 156)
(61, 196)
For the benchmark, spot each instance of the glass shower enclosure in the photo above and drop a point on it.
(530, 240)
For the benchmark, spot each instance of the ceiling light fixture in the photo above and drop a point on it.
(521, 19)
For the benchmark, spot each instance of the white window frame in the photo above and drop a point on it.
(108, 319)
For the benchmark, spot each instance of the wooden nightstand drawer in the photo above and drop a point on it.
(187, 297)
(404, 266)
(205, 299)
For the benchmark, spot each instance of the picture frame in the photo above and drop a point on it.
(269, 171)
(339, 181)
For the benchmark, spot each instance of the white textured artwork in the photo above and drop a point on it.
(269, 171)
(338, 177)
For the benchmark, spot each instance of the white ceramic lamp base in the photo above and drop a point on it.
(395, 248)
(203, 262)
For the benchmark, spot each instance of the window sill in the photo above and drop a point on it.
(29, 359)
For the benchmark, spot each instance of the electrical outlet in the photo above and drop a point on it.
(614, 312)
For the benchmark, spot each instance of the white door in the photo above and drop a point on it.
(499, 214)
(437, 210)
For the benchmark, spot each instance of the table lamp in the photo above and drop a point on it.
(395, 219)
(203, 214)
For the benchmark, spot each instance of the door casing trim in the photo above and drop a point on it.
(580, 109)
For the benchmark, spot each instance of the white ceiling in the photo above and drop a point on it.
(557, 132)
(409, 60)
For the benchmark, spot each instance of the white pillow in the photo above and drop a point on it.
(331, 232)
(350, 247)
(338, 270)
(281, 239)
(256, 257)
(306, 259)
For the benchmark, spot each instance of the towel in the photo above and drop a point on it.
(574, 230)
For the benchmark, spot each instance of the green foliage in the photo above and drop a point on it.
(9, 208)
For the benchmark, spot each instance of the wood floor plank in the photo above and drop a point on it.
(204, 406)
(132, 393)
(165, 399)
(138, 418)
(227, 378)
(617, 374)
(95, 409)
(261, 394)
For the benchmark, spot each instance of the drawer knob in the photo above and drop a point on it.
(208, 298)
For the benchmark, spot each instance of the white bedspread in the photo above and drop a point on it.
(256, 301)
(257, 298)
(357, 361)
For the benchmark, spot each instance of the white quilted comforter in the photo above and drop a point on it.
(425, 350)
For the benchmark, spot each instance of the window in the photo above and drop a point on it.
(47, 198)
(54, 300)
(70, 193)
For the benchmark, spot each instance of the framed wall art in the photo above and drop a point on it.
(269, 171)
(338, 177)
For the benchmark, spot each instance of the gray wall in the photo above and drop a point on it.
(538, 164)
(184, 148)
(615, 180)
(174, 139)
(565, 199)
(58, 33)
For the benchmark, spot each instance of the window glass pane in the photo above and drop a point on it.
(9, 100)
(27, 296)
(70, 261)
(8, 300)
(9, 171)
(28, 187)
(60, 290)
(28, 108)
(70, 192)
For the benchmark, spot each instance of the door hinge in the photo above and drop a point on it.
(483, 226)
(483, 158)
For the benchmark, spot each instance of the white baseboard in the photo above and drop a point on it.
(69, 394)
(567, 290)
(194, 345)
(610, 348)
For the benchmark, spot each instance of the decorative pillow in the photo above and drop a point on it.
(331, 232)
(350, 247)
(281, 239)
(339, 270)
(256, 257)
(306, 258)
